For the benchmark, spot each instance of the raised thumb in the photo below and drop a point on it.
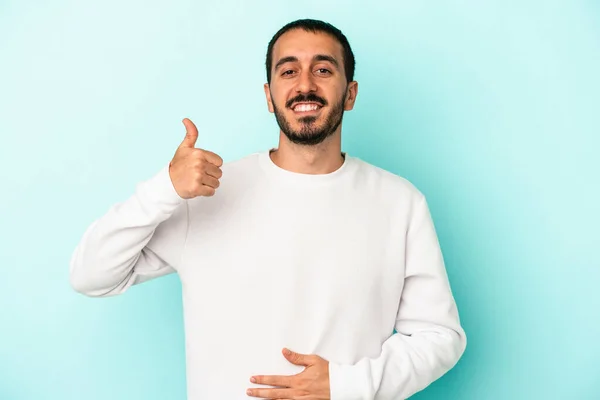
(191, 134)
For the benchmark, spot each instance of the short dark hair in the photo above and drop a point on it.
(314, 26)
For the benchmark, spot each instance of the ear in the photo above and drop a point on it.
(269, 99)
(351, 93)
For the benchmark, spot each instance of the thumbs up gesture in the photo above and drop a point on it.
(194, 172)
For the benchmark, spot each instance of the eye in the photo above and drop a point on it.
(287, 72)
(324, 71)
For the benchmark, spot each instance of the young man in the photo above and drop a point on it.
(302, 247)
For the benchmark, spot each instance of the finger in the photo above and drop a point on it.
(297, 358)
(213, 170)
(213, 158)
(191, 134)
(206, 190)
(272, 380)
(210, 181)
(273, 393)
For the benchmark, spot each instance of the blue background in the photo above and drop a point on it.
(490, 108)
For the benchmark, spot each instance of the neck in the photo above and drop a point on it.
(324, 158)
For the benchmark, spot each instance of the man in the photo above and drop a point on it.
(302, 248)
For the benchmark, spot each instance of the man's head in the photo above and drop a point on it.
(310, 72)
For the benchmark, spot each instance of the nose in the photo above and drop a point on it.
(306, 82)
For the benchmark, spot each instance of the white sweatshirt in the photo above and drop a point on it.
(326, 264)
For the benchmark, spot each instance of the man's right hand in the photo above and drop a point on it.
(194, 172)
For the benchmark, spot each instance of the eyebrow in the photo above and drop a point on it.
(317, 57)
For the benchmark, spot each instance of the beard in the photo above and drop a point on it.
(310, 133)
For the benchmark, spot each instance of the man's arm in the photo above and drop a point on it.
(136, 240)
(429, 339)
(144, 237)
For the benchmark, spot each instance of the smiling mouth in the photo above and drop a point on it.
(306, 108)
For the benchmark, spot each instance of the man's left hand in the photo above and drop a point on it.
(310, 384)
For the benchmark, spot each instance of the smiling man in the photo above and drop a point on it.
(302, 80)
(306, 273)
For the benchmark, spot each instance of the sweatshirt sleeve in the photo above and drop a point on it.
(429, 339)
(136, 240)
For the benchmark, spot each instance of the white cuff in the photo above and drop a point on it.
(159, 190)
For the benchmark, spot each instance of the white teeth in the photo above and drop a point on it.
(306, 107)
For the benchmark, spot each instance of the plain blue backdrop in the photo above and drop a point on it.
(489, 107)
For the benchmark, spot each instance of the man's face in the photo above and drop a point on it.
(308, 91)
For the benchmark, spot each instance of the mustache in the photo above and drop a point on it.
(311, 97)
